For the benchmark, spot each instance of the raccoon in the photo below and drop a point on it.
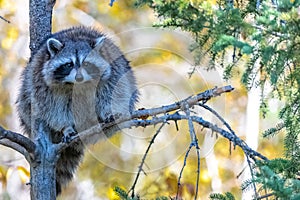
(77, 78)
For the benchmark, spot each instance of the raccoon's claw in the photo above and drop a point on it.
(68, 132)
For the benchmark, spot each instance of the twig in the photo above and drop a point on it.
(265, 196)
(242, 171)
(4, 19)
(198, 170)
(218, 116)
(252, 175)
(159, 115)
(233, 138)
(144, 159)
(221, 119)
(283, 36)
(194, 142)
(181, 171)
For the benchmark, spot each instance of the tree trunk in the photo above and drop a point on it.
(42, 163)
(40, 22)
(43, 179)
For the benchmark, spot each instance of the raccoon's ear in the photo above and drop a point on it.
(98, 43)
(54, 46)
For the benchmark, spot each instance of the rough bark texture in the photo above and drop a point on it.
(42, 171)
(40, 22)
(42, 164)
(43, 180)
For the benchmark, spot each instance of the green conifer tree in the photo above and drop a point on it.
(266, 36)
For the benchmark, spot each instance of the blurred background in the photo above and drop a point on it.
(162, 63)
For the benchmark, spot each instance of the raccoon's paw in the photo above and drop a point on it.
(68, 132)
(112, 118)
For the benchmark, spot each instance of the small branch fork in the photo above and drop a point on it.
(194, 143)
(17, 142)
(143, 118)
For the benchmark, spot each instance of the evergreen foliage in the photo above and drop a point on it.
(226, 196)
(280, 177)
(265, 36)
(124, 195)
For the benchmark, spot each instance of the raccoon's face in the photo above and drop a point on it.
(75, 62)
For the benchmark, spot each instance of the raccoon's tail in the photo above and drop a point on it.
(67, 164)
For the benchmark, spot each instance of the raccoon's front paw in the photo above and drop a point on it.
(68, 132)
(112, 118)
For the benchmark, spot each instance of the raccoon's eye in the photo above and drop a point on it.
(63, 70)
(67, 66)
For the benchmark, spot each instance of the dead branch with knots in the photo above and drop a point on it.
(181, 110)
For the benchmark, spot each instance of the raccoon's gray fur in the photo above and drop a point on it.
(77, 78)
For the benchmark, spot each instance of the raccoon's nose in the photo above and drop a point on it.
(79, 77)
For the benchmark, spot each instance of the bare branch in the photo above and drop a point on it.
(276, 34)
(175, 117)
(218, 116)
(144, 159)
(162, 115)
(194, 142)
(17, 142)
(231, 137)
(183, 166)
(252, 175)
(221, 119)
(190, 101)
(134, 121)
(14, 146)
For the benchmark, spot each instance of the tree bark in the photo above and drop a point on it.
(42, 164)
(43, 177)
(40, 22)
